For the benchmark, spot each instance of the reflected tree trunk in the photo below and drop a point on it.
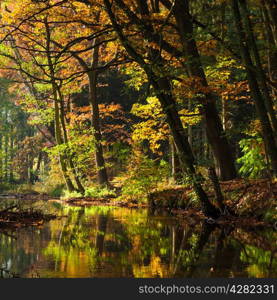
(224, 256)
(206, 231)
(101, 225)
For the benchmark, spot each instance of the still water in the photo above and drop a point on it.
(122, 242)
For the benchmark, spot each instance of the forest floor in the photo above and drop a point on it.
(252, 201)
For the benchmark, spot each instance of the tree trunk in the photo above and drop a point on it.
(40, 157)
(62, 158)
(6, 147)
(11, 177)
(176, 172)
(272, 47)
(102, 175)
(1, 159)
(163, 92)
(162, 88)
(99, 157)
(215, 133)
(271, 6)
(256, 94)
(217, 189)
(261, 74)
(58, 133)
(69, 158)
(92, 73)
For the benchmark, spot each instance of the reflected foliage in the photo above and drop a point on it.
(121, 242)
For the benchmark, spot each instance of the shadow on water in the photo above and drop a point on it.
(122, 242)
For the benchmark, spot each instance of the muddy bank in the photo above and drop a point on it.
(105, 201)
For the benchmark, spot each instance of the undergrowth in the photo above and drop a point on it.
(99, 192)
(144, 176)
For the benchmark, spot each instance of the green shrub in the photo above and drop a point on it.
(4, 186)
(144, 178)
(99, 192)
(270, 215)
(253, 160)
(25, 188)
(57, 190)
(68, 195)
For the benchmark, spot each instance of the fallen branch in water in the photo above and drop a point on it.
(23, 218)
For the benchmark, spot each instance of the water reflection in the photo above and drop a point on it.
(120, 242)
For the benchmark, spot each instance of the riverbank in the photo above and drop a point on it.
(246, 198)
(252, 201)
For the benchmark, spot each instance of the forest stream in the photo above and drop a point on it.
(123, 242)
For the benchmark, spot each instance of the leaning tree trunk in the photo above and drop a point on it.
(216, 136)
(267, 132)
(272, 47)
(162, 88)
(69, 157)
(271, 6)
(58, 136)
(260, 74)
(58, 133)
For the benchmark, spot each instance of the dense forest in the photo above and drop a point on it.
(138, 138)
(137, 100)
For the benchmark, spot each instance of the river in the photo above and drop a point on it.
(122, 242)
